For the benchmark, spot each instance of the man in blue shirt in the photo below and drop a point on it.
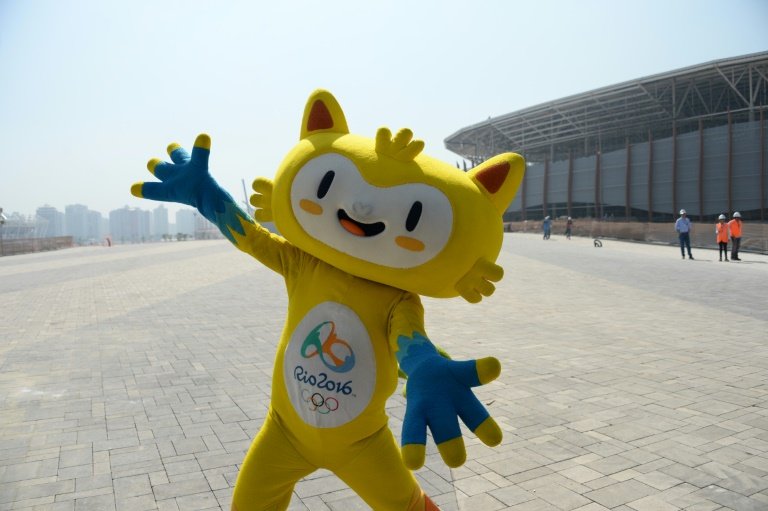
(683, 228)
(547, 226)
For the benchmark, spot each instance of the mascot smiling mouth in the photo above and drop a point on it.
(359, 228)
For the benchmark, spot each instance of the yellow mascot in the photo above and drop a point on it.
(367, 225)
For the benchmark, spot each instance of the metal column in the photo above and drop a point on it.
(570, 181)
(674, 147)
(674, 168)
(598, 206)
(730, 162)
(628, 184)
(701, 170)
(544, 204)
(762, 166)
(650, 176)
(522, 196)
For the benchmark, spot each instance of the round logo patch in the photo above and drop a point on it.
(329, 367)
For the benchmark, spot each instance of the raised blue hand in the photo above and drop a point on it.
(187, 181)
(439, 393)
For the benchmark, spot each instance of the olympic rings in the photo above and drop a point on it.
(319, 403)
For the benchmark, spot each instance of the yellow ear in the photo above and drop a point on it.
(499, 178)
(322, 114)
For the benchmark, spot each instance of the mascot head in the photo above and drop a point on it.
(381, 210)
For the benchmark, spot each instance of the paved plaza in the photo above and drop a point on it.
(134, 377)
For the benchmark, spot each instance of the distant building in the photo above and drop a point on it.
(84, 225)
(94, 227)
(104, 227)
(185, 221)
(76, 222)
(51, 221)
(191, 223)
(129, 225)
(160, 222)
(205, 230)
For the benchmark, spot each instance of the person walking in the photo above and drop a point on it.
(735, 227)
(683, 228)
(721, 230)
(568, 228)
(547, 226)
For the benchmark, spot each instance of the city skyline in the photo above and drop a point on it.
(146, 205)
(155, 205)
(127, 224)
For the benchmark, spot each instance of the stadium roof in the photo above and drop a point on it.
(607, 118)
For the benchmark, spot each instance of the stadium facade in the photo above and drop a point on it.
(693, 138)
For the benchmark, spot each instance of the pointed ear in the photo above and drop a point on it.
(499, 178)
(322, 114)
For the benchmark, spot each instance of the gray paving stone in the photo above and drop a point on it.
(512, 495)
(561, 497)
(95, 503)
(122, 388)
(132, 486)
(689, 475)
(730, 499)
(620, 493)
(611, 464)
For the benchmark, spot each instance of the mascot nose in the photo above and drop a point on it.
(362, 209)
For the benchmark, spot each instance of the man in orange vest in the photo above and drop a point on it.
(735, 227)
(721, 230)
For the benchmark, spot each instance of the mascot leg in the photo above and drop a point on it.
(376, 472)
(269, 472)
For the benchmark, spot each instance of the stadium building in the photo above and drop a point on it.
(693, 138)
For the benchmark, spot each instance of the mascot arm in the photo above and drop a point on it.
(187, 181)
(438, 390)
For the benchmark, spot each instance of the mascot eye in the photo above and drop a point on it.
(325, 184)
(413, 216)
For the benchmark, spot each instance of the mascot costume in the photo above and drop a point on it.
(366, 226)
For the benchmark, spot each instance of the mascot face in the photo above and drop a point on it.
(400, 226)
(380, 210)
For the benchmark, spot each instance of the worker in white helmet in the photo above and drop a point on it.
(683, 228)
(721, 231)
(735, 227)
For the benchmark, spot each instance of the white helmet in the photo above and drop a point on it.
(682, 211)
(737, 215)
(721, 217)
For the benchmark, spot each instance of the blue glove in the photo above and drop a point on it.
(438, 393)
(187, 181)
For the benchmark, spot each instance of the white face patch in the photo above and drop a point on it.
(400, 226)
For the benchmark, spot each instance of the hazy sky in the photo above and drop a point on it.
(92, 89)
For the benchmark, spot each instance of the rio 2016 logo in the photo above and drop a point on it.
(336, 354)
(329, 366)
